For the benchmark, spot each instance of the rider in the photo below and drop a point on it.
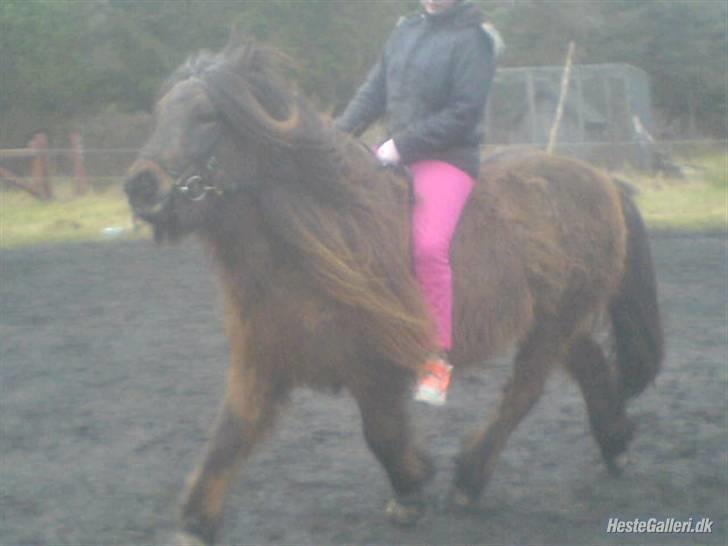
(432, 83)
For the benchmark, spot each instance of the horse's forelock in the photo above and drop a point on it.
(196, 66)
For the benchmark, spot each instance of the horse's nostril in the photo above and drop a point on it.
(142, 187)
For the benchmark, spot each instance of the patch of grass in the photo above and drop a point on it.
(25, 220)
(697, 203)
(716, 169)
(693, 207)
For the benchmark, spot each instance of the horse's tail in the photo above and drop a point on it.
(634, 311)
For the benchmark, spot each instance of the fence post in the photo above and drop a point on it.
(39, 169)
(565, 79)
(531, 96)
(79, 167)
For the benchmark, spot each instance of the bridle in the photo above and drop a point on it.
(196, 184)
(200, 178)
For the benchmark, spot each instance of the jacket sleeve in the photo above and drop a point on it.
(472, 74)
(369, 103)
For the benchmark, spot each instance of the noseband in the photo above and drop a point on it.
(195, 185)
(201, 178)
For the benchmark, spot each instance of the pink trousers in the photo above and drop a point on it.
(441, 191)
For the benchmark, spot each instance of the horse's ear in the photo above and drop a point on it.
(238, 50)
(236, 39)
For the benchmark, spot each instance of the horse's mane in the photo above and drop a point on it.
(324, 197)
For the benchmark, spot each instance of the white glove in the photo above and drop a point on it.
(387, 153)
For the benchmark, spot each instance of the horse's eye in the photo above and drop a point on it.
(207, 117)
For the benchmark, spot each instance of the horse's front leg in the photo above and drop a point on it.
(248, 410)
(387, 430)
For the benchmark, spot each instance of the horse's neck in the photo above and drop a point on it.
(251, 251)
(240, 247)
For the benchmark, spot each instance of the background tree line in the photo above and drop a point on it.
(62, 61)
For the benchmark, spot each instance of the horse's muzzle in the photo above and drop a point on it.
(145, 190)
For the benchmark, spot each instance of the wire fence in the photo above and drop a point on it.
(105, 167)
(643, 156)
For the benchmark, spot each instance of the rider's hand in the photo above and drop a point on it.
(387, 153)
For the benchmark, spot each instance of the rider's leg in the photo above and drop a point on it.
(441, 191)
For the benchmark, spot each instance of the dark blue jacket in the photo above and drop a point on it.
(432, 83)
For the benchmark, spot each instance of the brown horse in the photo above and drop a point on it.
(311, 238)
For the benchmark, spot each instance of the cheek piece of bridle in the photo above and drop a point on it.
(202, 177)
(195, 184)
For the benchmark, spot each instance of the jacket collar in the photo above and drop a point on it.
(461, 14)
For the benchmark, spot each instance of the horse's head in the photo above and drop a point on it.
(214, 125)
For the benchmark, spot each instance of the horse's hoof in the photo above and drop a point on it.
(616, 465)
(460, 501)
(405, 515)
(184, 539)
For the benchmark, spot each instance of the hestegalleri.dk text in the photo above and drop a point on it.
(660, 525)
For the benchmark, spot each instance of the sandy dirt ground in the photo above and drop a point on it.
(112, 361)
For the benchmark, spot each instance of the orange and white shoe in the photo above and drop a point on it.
(434, 381)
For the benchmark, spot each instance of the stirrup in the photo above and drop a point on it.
(432, 385)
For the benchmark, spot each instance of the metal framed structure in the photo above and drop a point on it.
(601, 101)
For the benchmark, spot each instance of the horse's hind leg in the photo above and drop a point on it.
(248, 411)
(383, 406)
(610, 425)
(475, 464)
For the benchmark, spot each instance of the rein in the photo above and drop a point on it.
(196, 185)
